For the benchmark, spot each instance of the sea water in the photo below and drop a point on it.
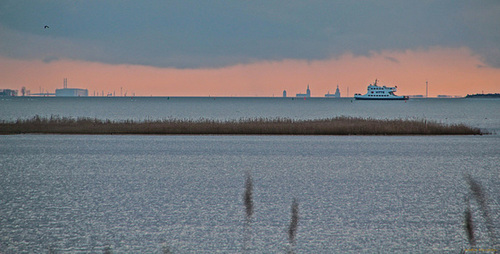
(148, 194)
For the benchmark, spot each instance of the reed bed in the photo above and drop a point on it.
(254, 126)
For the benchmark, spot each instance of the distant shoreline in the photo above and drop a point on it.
(488, 95)
(258, 126)
(411, 97)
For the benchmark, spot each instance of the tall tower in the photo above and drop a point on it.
(337, 92)
(284, 93)
(426, 89)
(65, 83)
(308, 92)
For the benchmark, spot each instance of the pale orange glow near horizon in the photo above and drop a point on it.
(449, 71)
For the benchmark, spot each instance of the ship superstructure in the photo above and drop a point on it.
(375, 92)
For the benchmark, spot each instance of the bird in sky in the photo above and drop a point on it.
(45, 27)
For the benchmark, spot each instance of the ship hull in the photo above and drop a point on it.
(399, 98)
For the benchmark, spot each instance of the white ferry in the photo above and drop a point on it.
(375, 92)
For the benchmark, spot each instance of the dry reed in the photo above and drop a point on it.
(294, 222)
(468, 224)
(248, 202)
(479, 195)
(247, 197)
(256, 126)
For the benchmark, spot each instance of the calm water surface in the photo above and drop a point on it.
(138, 194)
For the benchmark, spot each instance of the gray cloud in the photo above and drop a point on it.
(392, 59)
(49, 59)
(194, 34)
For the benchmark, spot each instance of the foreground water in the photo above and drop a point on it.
(139, 194)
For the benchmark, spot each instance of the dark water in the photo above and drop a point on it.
(139, 194)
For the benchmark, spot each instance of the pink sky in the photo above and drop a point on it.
(450, 71)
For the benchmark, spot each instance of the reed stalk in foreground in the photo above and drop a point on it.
(247, 197)
(294, 222)
(479, 195)
(468, 224)
(257, 126)
(248, 202)
(166, 249)
(107, 250)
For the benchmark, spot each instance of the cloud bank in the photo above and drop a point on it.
(214, 34)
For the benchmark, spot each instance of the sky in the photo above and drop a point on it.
(250, 48)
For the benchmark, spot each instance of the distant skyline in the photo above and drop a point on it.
(251, 48)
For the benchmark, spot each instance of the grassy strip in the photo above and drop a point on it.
(259, 126)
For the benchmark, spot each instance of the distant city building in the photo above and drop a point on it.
(335, 95)
(7, 92)
(307, 94)
(448, 96)
(284, 93)
(71, 92)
